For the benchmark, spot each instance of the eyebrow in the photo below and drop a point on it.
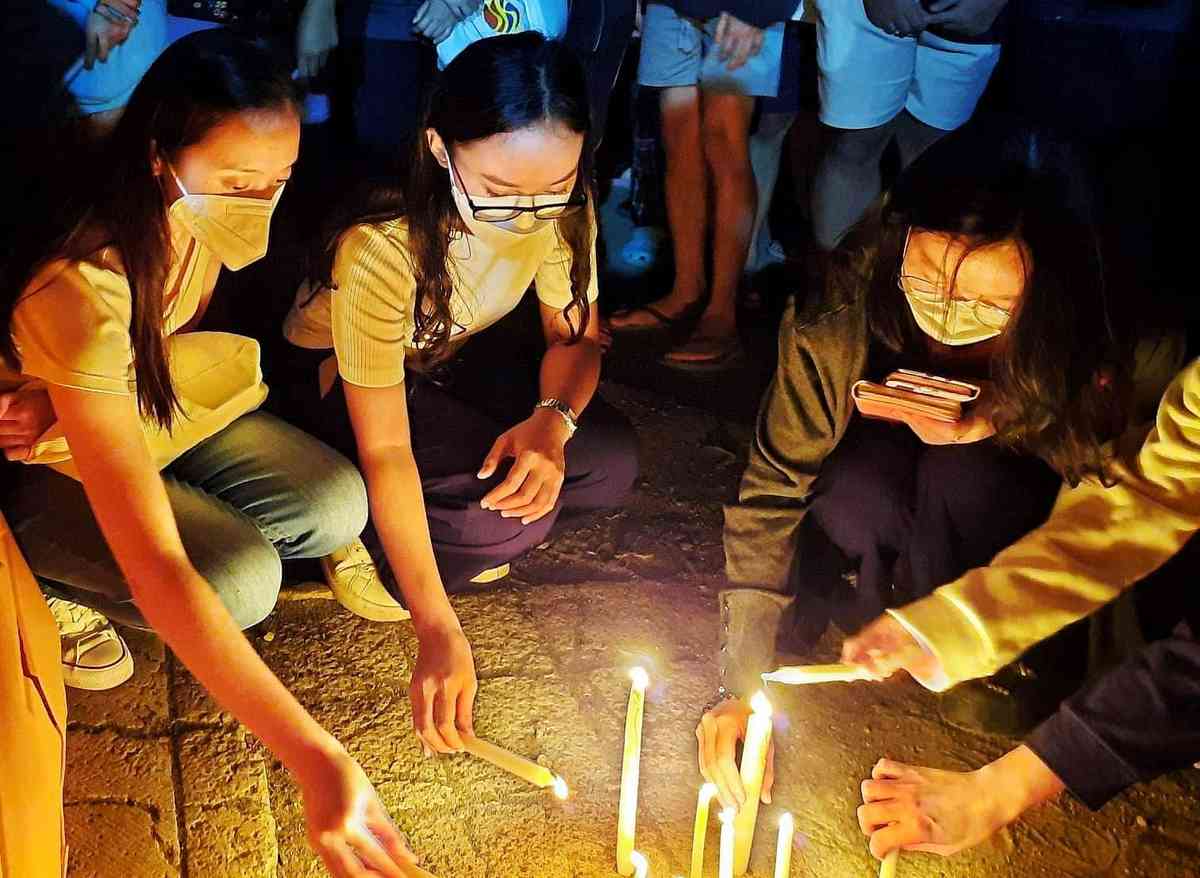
(251, 170)
(497, 181)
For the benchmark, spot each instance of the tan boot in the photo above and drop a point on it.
(355, 583)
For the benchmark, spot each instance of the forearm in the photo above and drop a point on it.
(184, 610)
(571, 372)
(398, 510)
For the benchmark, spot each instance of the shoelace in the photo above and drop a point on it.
(75, 619)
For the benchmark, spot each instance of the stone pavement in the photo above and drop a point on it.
(162, 783)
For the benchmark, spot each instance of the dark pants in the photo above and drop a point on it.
(913, 517)
(1142, 718)
(453, 426)
(600, 32)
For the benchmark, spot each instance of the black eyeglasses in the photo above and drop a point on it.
(505, 211)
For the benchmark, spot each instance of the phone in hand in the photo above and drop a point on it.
(907, 391)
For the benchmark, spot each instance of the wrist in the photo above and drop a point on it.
(436, 620)
(554, 422)
(1017, 781)
(309, 762)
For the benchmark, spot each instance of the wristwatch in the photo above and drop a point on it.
(567, 413)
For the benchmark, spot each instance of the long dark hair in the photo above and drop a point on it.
(1061, 371)
(195, 85)
(494, 86)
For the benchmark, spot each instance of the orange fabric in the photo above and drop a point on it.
(33, 722)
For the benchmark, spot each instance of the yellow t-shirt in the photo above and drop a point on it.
(71, 325)
(368, 316)
(71, 329)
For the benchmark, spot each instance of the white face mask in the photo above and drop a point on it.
(499, 234)
(955, 322)
(235, 228)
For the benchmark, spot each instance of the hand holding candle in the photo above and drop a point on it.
(887, 869)
(753, 769)
(630, 771)
(725, 867)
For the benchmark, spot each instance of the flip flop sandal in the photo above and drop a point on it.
(664, 321)
(724, 355)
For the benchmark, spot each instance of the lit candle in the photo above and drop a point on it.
(801, 675)
(527, 770)
(783, 848)
(630, 770)
(409, 870)
(887, 869)
(641, 866)
(725, 869)
(708, 792)
(754, 766)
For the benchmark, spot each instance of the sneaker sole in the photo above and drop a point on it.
(359, 607)
(99, 679)
(495, 574)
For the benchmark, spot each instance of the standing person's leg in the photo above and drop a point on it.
(766, 155)
(670, 60)
(600, 33)
(864, 81)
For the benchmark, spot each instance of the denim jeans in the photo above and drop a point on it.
(257, 492)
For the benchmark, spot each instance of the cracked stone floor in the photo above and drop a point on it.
(162, 783)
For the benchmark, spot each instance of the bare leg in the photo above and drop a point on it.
(914, 137)
(687, 207)
(727, 154)
(848, 180)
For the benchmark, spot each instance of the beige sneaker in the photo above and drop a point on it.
(493, 574)
(94, 655)
(351, 574)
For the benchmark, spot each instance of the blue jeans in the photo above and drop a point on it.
(257, 492)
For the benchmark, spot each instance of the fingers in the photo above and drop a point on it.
(728, 778)
(421, 16)
(543, 504)
(887, 769)
(445, 715)
(492, 461)
(896, 836)
(706, 738)
(389, 837)
(338, 858)
(91, 50)
(18, 453)
(422, 693)
(876, 815)
(514, 480)
(466, 707)
(102, 47)
(881, 790)
(6, 400)
(373, 856)
(722, 32)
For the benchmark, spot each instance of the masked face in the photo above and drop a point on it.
(235, 228)
(947, 319)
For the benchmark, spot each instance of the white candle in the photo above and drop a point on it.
(801, 675)
(887, 869)
(641, 866)
(783, 847)
(519, 766)
(630, 771)
(708, 792)
(754, 766)
(725, 868)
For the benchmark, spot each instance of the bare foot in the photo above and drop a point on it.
(661, 314)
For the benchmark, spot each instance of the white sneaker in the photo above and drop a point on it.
(94, 655)
(355, 582)
(492, 574)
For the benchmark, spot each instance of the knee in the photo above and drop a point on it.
(978, 480)
(858, 508)
(336, 508)
(863, 147)
(247, 579)
(726, 146)
(612, 460)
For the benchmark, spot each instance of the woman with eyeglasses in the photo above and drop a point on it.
(469, 460)
(982, 264)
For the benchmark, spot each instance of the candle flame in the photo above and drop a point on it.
(640, 678)
(641, 865)
(759, 704)
(787, 823)
(560, 789)
(708, 792)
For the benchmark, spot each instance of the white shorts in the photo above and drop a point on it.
(868, 76)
